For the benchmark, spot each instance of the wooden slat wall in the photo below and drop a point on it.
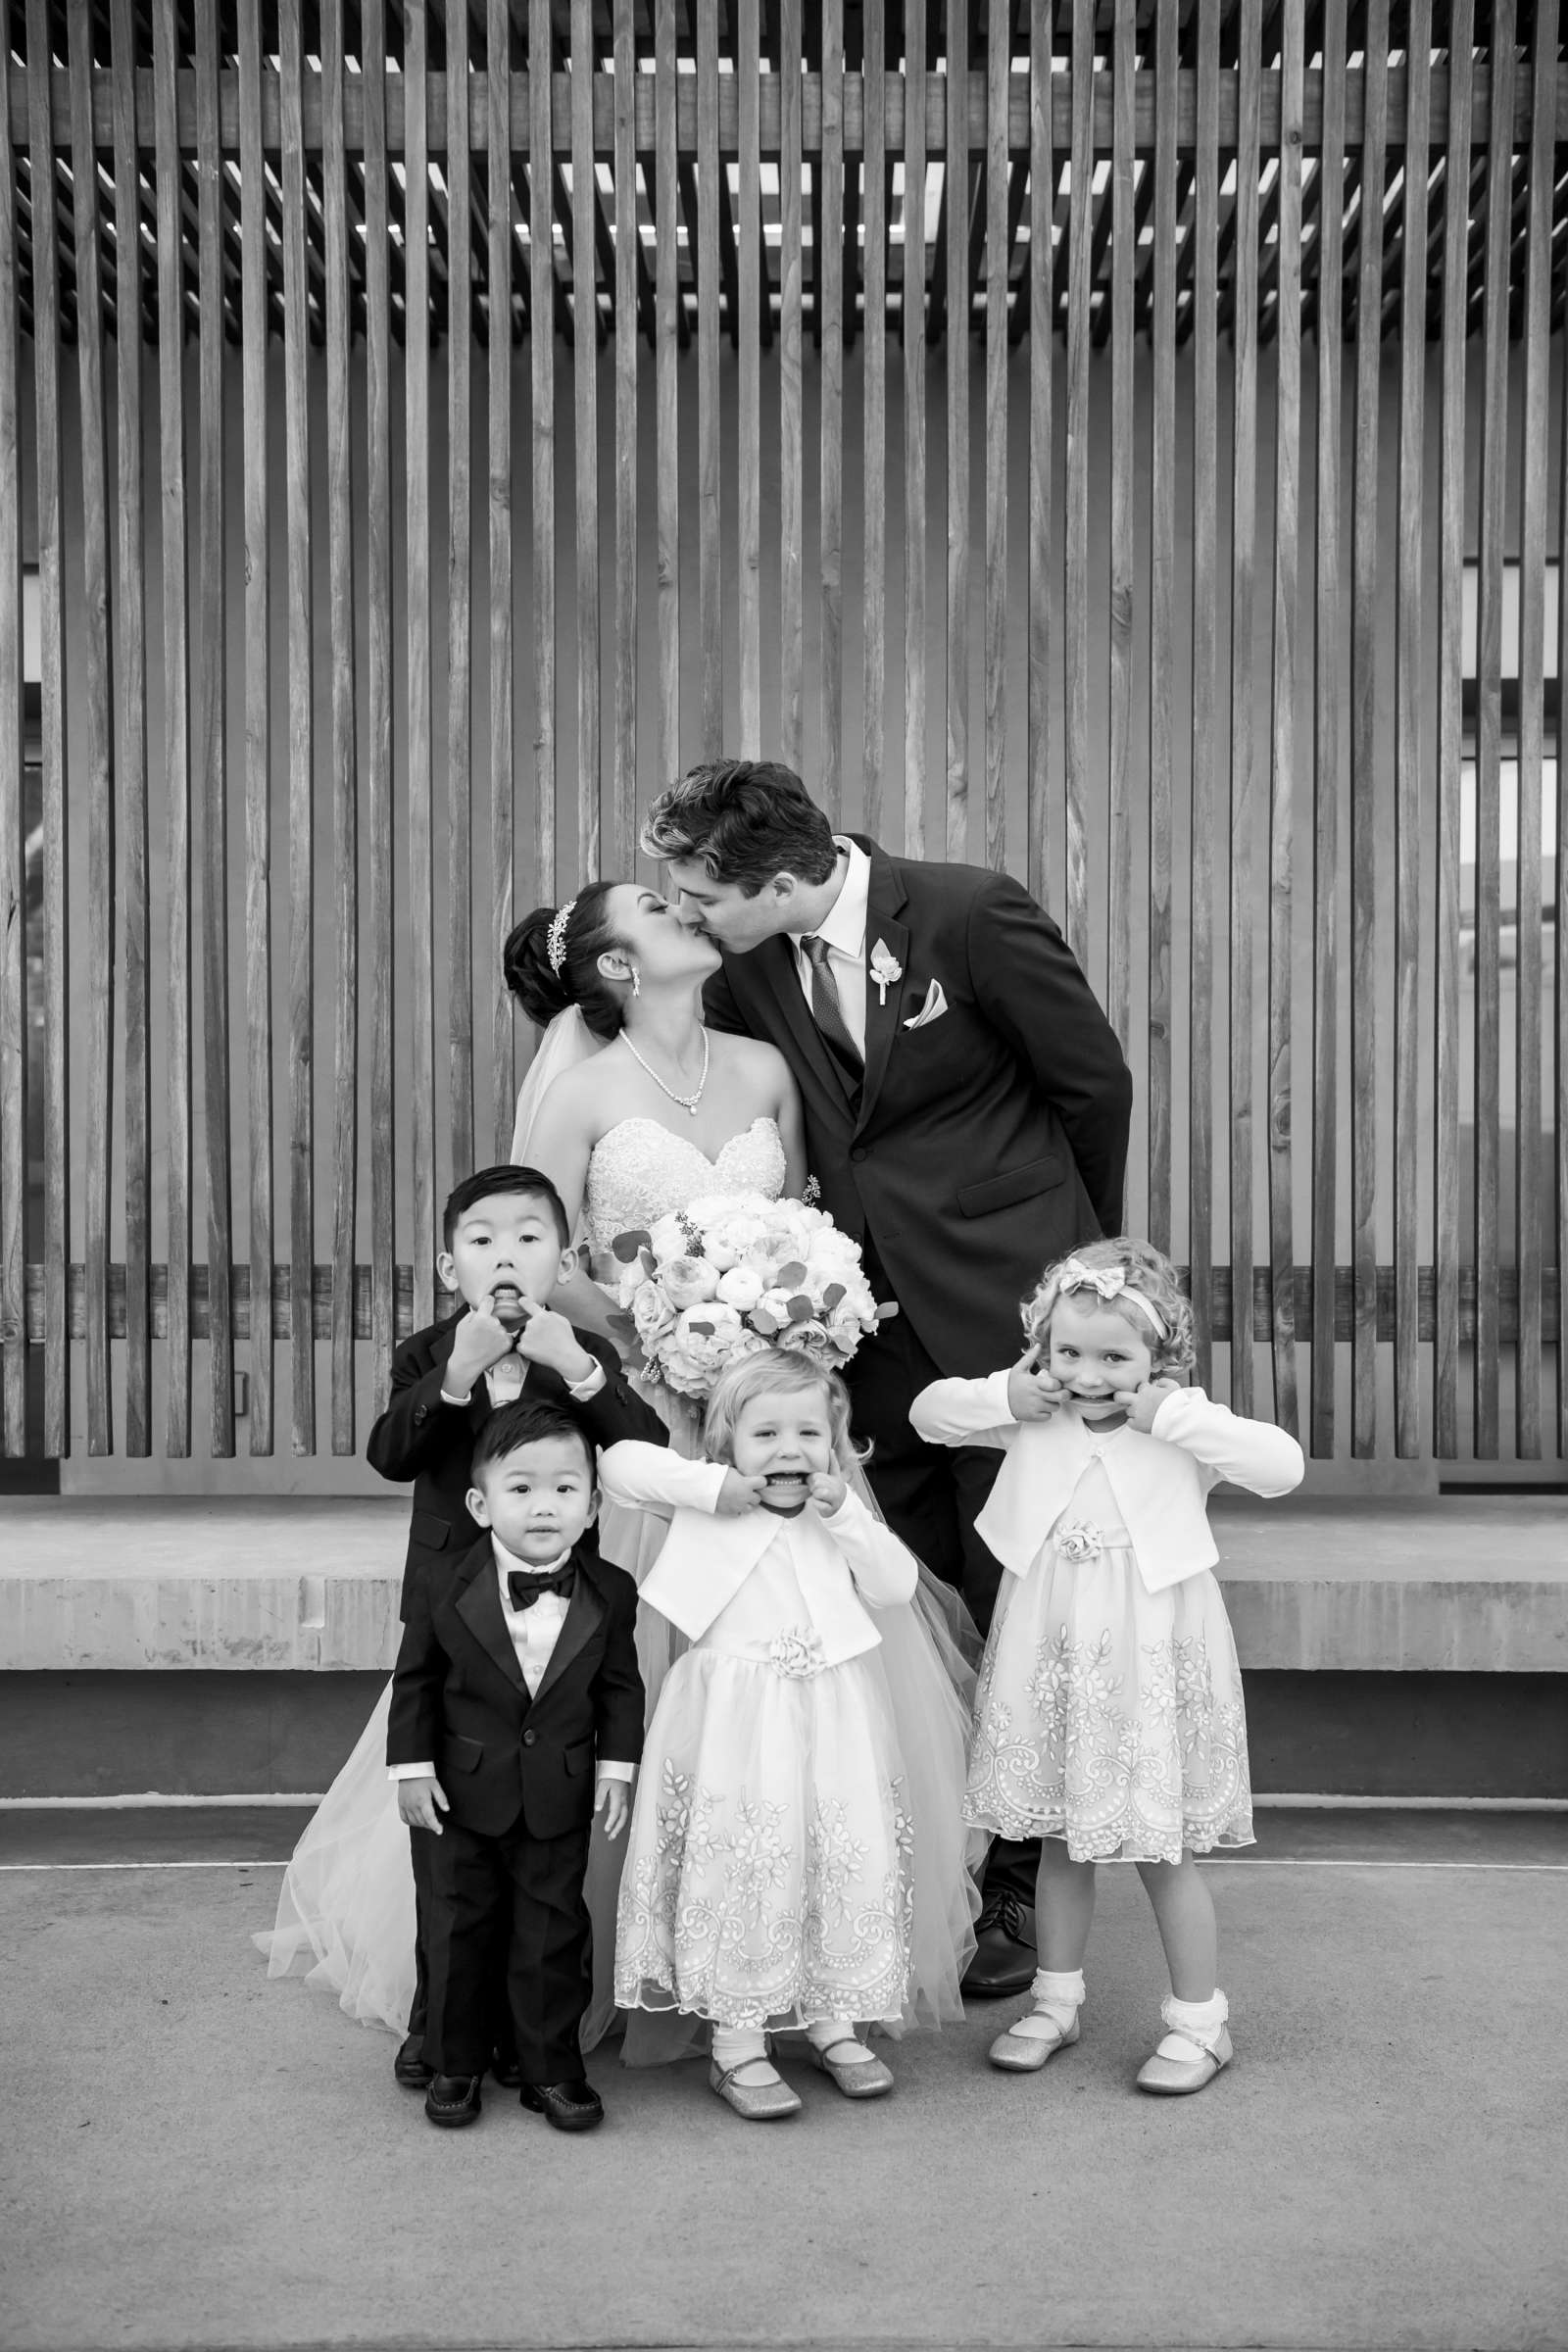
(1160, 811)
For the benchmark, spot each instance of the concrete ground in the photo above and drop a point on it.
(195, 2157)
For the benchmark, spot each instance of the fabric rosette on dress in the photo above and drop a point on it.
(1107, 1715)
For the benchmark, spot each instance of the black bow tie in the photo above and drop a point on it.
(523, 1591)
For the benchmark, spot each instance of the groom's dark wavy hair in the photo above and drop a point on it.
(746, 820)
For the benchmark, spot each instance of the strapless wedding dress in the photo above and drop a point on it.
(345, 1917)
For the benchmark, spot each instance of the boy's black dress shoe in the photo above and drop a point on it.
(568, 2106)
(1005, 1956)
(505, 2070)
(453, 2100)
(408, 2065)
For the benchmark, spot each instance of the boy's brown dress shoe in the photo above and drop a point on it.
(408, 2065)
(567, 2106)
(453, 2100)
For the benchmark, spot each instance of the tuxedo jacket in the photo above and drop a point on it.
(1161, 1479)
(459, 1696)
(979, 1146)
(422, 1438)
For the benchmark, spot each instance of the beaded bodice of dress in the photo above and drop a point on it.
(639, 1170)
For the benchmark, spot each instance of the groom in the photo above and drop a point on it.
(966, 1113)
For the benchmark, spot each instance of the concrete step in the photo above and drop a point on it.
(1458, 1585)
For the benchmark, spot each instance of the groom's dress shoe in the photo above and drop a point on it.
(568, 2106)
(453, 2100)
(408, 2065)
(1005, 1957)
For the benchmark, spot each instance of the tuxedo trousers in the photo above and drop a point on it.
(521, 1895)
(422, 1845)
(931, 1496)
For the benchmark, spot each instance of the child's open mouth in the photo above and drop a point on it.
(506, 1304)
(787, 1490)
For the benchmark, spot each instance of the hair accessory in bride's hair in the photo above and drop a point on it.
(555, 937)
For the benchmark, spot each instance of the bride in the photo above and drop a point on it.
(634, 1108)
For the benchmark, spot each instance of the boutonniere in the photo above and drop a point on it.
(885, 967)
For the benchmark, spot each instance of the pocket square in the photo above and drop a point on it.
(935, 1005)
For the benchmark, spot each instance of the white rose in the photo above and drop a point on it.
(668, 1238)
(740, 1287)
(688, 1281)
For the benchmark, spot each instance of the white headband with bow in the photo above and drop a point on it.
(1111, 1282)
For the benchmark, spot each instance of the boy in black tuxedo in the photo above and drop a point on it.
(516, 1714)
(506, 1247)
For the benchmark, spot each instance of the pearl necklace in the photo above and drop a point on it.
(686, 1103)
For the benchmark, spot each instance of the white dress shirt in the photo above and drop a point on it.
(534, 1633)
(504, 1382)
(843, 930)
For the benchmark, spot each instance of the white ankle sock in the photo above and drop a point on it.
(1058, 1996)
(1197, 2021)
(826, 2033)
(737, 2046)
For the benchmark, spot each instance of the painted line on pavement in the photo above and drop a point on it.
(1227, 1862)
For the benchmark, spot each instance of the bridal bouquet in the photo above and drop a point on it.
(734, 1272)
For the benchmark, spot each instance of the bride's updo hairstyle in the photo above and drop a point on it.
(540, 987)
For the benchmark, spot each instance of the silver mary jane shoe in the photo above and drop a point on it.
(757, 2102)
(1026, 2053)
(858, 2078)
(1186, 2062)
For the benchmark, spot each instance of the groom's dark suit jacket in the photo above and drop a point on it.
(978, 1147)
(422, 1438)
(459, 1696)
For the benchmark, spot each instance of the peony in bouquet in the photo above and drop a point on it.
(734, 1272)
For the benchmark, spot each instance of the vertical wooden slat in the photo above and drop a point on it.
(749, 498)
(1493, 544)
(1409, 758)
(259, 705)
(627, 252)
(791, 517)
(827, 230)
(1203, 798)
(1446, 1241)
(1281, 782)
(301, 741)
(13, 963)
(52, 671)
(97, 779)
(1328, 729)
(460, 598)
(957, 292)
(666, 298)
(1162, 629)
(914, 315)
(1244, 778)
(1528, 970)
(378, 684)
(1559, 935)
(132, 749)
(212, 751)
(1041, 341)
(542, 446)
(999, 60)
(874, 425)
(417, 503)
(1119, 619)
(498, 173)
(345, 810)
(176, 714)
(1080, 274)
(710, 572)
(585, 451)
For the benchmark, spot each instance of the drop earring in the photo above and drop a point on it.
(636, 982)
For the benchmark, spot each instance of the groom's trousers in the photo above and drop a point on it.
(931, 1496)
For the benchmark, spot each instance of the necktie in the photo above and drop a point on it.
(523, 1591)
(826, 1010)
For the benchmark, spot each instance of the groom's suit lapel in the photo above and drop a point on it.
(886, 898)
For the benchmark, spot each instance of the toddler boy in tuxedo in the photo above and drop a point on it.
(505, 1249)
(516, 1716)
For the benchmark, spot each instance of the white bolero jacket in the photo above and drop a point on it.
(841, 1559)
(1161, 1481)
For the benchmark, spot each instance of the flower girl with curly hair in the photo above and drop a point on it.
(1110, 1714)
(797, 1855)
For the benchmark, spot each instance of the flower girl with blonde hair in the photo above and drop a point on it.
(797, 1855)
(1109, 1715)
